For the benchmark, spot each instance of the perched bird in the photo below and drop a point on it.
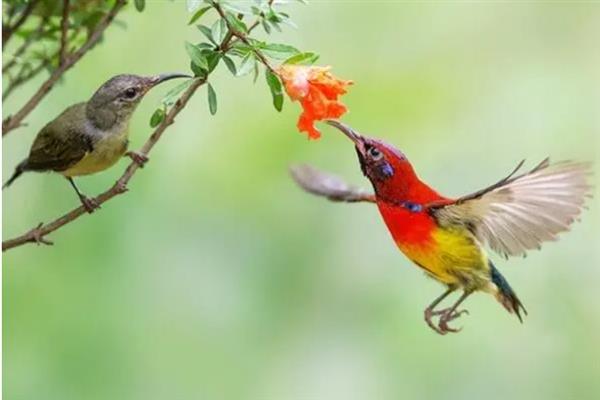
(90, 137)
(446, 237)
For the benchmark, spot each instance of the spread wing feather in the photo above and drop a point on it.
(519, 213)
(327, 185)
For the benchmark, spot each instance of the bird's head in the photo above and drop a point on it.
(118, 97)
(388, 169)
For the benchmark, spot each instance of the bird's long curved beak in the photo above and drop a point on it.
(356, 138)
(156, 79)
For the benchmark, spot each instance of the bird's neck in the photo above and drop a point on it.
(107, 118)
(102, 118)
(407, 190)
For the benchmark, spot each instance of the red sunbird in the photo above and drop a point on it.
(446, 237)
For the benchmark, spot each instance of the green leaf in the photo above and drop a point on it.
(196, 55)
(193, 5)
(276, 89)
(230, 65)
(246, 65)
(212, 59)
(140, 4)
(207, 32)
(302, 58)
(240, 49)
(236, 23)
(212, 100)
(279, 51)
(157, 117)
(199, 14)
(173, 94)
(218, 30)
(256, 71)
(237, 8)
(266, 26)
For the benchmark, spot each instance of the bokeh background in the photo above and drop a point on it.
(216, 278)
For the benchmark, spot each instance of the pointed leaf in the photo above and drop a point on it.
(199, 14)
(140, 4)
(196, 55)
(302, 58)
(207, 32)
(172, 95)
(193, 5)
(276, 89)
(246, 65)
(279, 51)
(157, 117)
(230, 65)
(212, 99)
(218, 30)
(236, 23)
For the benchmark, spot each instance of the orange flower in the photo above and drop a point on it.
(317, 90)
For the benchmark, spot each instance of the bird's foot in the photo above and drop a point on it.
(448, 316)
(429, 314)
(38, 237)
(138, 158)
(89, 204)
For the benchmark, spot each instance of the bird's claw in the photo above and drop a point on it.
(446, 315)
(89, 204)
(138, 158)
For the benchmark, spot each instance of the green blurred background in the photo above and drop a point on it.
(216, 278)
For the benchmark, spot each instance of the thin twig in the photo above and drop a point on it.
(25, 45)
(64, 31)
(23, 77)
(7, 31)
(241, 36)
(13, 121)
(37, 234)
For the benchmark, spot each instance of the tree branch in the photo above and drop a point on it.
(37, 234)
(64, 31)
(7, 31)
(13, 121)
(242, 37)
(30, 39)
(25, 75)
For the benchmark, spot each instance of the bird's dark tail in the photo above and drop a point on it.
(22, 167)
(505, 295)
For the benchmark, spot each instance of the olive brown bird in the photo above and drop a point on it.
(91, 136)
(446, 237)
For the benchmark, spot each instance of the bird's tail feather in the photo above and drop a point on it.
(506, 295)
(22, 167)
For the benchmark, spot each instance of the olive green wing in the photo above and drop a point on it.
(58, 148)
(520, 212)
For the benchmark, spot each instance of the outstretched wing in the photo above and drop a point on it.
(326, 185)
(520, 212)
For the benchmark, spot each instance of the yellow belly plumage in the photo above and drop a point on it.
(451, 256)
(107, 151)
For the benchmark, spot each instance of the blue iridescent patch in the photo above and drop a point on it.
(412, 207)
(387, 170)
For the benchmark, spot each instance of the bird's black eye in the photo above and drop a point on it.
(130, 93)
(375, 154)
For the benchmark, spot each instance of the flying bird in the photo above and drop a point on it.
(446, 237)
